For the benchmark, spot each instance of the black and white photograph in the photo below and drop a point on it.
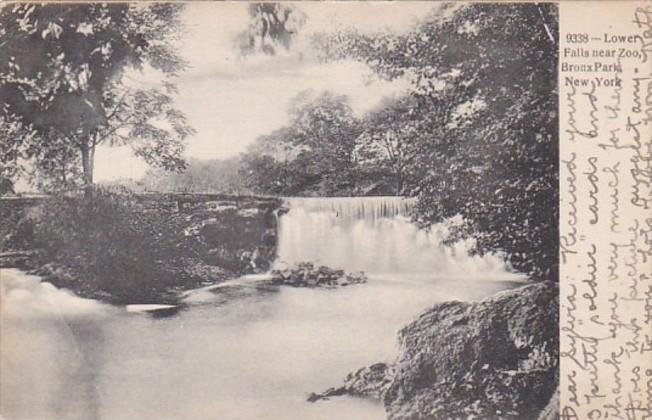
(279, 211)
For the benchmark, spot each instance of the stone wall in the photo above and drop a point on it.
(239, 233)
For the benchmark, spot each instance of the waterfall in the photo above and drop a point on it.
(375, 235)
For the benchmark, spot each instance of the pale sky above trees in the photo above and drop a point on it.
(231, 100)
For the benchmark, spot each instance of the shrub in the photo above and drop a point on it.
(109, 242)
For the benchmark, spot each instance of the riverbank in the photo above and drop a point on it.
(494, 359)
(138, 248)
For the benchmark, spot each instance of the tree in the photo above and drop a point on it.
(214, 175)
(314, 154)
(272, 25)
(325, 134)
(265, 175)
(68, 94)
(386, 147)
(484, 79)
(6, 186)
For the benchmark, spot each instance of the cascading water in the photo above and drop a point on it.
(375, 235)
(238, 351)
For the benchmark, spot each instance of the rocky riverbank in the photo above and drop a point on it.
(494, 359)
(307, 275)
(155, 246)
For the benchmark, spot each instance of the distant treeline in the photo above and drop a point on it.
(325, 151)
(213, 175)
(476, 136)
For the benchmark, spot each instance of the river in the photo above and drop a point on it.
(242, 349)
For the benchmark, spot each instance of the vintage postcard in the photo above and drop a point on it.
(350, 210)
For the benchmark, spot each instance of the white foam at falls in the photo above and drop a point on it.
(351, 209)
(25, 296)
(376, 235)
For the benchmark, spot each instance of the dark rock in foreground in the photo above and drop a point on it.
(371, 382)
(307, 275)
(495, 359)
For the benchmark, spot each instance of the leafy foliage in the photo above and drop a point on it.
(387, 148)
(272, 26)
(475, 137)
(6, 186)
(485, 141)
(200, 176)
(67, 95)
(107, 242)
(314, 154)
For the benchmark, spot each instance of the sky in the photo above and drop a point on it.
(230, 100)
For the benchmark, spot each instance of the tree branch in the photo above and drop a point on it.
(100, 139)
(545, 25)
(120, 103)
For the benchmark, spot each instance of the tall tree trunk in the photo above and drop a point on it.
(399, 178)
(87, 165)
(64, 168)
(92, 159)
(399, 184)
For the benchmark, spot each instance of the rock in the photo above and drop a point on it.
(269, 237)
(306, 275)
(16, 259)
(497, 358)
(220, 206)
(227, 258)
(195, 268)
(370, 382)
(249, 212)
(331, 392)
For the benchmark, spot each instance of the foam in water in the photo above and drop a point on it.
(376, 235)
(25, 296)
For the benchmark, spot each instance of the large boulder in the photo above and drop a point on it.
(495, 359)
